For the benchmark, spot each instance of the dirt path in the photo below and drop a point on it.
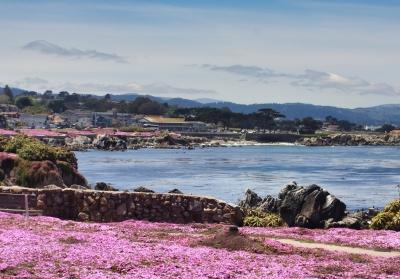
(338, 248)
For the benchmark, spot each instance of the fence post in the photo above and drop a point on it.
(26, 207)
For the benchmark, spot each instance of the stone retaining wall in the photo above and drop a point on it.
(102, 206)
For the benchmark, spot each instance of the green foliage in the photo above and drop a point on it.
(257, 218)
(37, 152)
(389, 218)
(14, 144)
(32, 149)
(24, 101)
(386, 128)
(8, 92)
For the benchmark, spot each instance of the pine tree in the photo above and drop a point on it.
(8, 92)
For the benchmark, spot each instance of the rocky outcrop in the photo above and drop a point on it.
(351, 140)
(309, 206)
(143, 189)
(79, 143)
(105, 142)
(299, 206)
(356, 220)
(101, 186)
(36, 174)
(102, 206)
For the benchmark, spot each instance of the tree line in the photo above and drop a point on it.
(264, 119)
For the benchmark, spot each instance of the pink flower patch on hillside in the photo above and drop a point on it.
(45, 247)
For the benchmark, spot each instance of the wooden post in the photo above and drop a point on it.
(26, 207)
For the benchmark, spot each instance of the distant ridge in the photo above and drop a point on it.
(376, 115)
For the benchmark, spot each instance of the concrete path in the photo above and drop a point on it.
(338, 248)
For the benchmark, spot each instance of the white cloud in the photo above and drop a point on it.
(310, 79)
(38, 84)
(48, 48)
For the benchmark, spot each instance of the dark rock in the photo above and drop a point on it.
(233, 229)
(101, 186)
(309, 206)
(105, 142)
(251, 199)
(347, 222)
(175, 191)
(143, 190)
(270, 204)
(82, 216)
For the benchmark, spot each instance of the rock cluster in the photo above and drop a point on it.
(308, 207)
(105, 142)
(351, 140)
(102, 206)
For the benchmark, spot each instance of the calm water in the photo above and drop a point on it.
(360, 176)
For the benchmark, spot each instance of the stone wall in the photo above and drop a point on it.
(102, 206)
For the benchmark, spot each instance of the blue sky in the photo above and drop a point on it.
(343, 53)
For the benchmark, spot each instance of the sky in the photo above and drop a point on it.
(341, 52)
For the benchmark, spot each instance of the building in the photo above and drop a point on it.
(34, 121)
(172, 124)
(111, 118)
(78, 118)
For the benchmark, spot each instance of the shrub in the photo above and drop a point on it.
(36, 152)
(257, 218)
(32, 149)
(14, 144)
(389, 218)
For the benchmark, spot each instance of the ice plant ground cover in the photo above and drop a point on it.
(45, 247)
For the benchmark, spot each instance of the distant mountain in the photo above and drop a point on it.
(207, 100)
(377, 115)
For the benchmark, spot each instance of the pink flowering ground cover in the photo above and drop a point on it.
(374, 239)
(45, 247)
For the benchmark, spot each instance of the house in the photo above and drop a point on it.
(172, 124)
(111, 118)
(34, 120)
(328, 127)
(78, 118)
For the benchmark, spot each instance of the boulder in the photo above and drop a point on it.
(251, 200)
(270, 204)
(309, 206)
(175, 191)
(101, 186)
(143, 190)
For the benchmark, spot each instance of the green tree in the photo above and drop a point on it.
(8, 92)
(386, 128)
(57, 106)
(23, 102)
